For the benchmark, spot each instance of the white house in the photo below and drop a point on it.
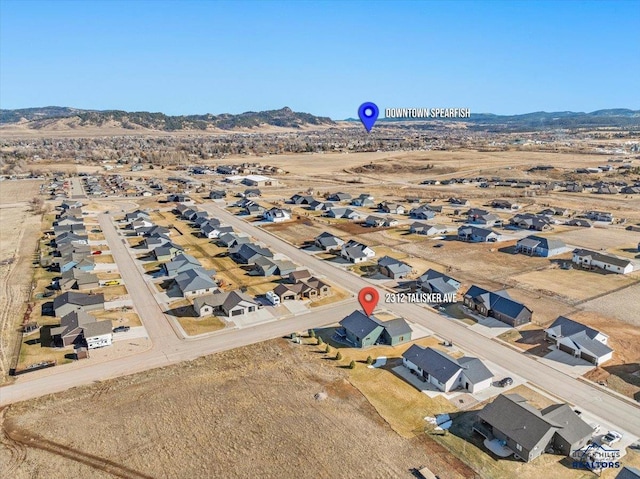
(277, 215)
(607, 262)
(445, 372)
(356, 252)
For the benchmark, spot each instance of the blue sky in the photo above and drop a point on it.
(325, 58)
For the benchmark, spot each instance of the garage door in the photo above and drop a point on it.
(237, 312)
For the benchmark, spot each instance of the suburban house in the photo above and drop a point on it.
(554, 211)
(364, 199)
(388, 207)
(232, 239)
(71, 301)
(362, 330)
(182, 262)
(213, 231)
(252, 193)
(578, 222)
(427, 229)
(530, 221)
(317, 206)
(227, 304)
(393, 268)
(166, 251)
(302, 286)
(458, 201)
(445, 372)
(600, 216)
(339, 197)
(628, 472)
(579, 341)
(540, 246)
(422, 213)
(217, 195)
(299, 199)
(79, 327)
(475, 234)
(259, 180)
(504, 205)
(433, 281)
(195, 281)
(595, 260)
(346, 213)
(264, 266)
(498, 305)
(248, 253)
(482, 217)
(78, 279)
(529, 432)
(356, 252)
(252, 209)
(276, 215)
(328, 242)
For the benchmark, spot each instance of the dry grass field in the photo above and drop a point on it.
(18, 240)
(242, 413)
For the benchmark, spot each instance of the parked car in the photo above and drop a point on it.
(112, 282)
(611, 437)
(504, 382)
(97, 252)
(438, 245)
(121, 329)
(272, 298)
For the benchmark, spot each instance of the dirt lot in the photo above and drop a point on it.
(18, 238)
(173, 415)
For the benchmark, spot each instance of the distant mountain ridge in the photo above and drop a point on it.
(541, 119)
(38, 118)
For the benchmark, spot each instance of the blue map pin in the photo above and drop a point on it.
(368, 113)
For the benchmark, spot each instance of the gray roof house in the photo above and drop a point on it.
(540, 246)
(498, 305)
(427, 229)
(227, 304)
(248, 253)
(445, 372)
(72, 301)
(579, 340)
(594, 260)
(362, 330)
(196, 281)
(529, 432)
(628, 472)
(356, 252)
(393, 268)
(180, 263)
(328, 241)
(477, 235)
(433, 281)
(422, 213)
(530, 221)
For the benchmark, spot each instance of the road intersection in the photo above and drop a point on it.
(169, 348)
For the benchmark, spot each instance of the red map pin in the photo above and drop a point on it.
(368, 298)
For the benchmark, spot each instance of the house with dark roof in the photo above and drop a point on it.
(594, 260)
(217, 194)
(530, 221)
(232, 239)
(445, 372)
(299, 199)
(264, 266)
(475, 234)
(365, 199)
(389, 207)
(540, 246)
(578, 222)
(433, 281)
(72, 301)
(227, 304)
(529, 432)
(422, 213)
(482, 217)
(328, 242)
(579, 340)
(498, 305)
(362, 330)
(628, 472)
(248, 253)
(393, 268)
(339, 197)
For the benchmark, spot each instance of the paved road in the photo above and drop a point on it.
(585, 396)
(168, 349)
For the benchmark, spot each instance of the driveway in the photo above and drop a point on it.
(574, 367)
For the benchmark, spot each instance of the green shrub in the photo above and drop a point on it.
(352, 365)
